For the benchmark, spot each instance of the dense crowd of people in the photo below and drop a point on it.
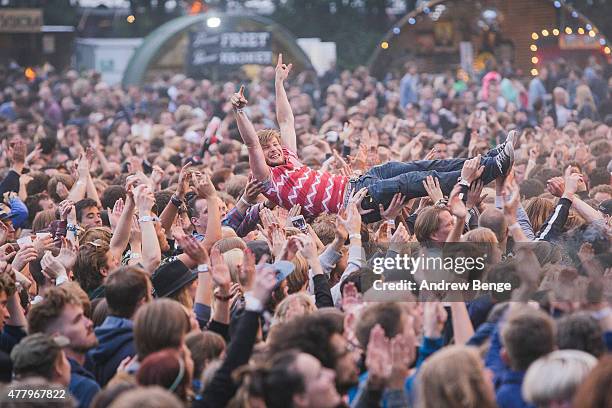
(208, 244)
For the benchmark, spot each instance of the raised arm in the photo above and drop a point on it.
(284, 114)
(257, 160)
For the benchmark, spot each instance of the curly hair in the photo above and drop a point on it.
(43, 314)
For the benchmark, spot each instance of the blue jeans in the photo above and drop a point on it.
(384, 181)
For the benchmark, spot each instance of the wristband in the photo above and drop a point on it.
(134, 255)
(177, 202)
(148, 218)
(355, 236)
(61, 280)
(245, 202)
(202, 268)
(239, 110)
(222, 298)
(252, 304)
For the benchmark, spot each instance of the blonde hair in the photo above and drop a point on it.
(556, 376)
(299, 277)
(233, 259)
(266, 136)
(43, 219)
(480, 234)
(584, 97)
(227, 244)
(301, 298)
(94, 233)
(538, 209)
(454, 378)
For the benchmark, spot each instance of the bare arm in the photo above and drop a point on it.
(586, 211)
(151, 252)
(121, 235)
(284, 114)
(257, 160)
(206, 190)
(462, 325)
(169, 214)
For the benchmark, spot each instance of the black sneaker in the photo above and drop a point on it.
(497, 149)
(505, 158)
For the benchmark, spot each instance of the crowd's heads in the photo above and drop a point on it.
(293, 378)
(126, 289)
(41, 355)
(527, 335)
(160, 324)
(61, 312)
(552, 380)
(455, 377)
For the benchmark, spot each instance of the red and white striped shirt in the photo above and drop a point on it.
(315, 191)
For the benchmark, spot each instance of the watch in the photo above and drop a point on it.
(176, 201)
(202, 268)
(148, 218)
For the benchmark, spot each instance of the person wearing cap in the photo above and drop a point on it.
(14, 210)
(605, 208)
(40, 355)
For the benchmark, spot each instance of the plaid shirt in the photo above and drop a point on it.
(243, 223)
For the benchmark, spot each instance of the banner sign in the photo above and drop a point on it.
(208, 49)
(20, 20)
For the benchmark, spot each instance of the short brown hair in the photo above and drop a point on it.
(388, 315)
(527, 335)
(205, 347)
(44, 313)
(265, 136)
(427, 223)
(91, 259)
(325, 228)
(43, 219)
(159, 324)
(124, 289)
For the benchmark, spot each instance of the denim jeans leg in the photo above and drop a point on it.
(395, 168)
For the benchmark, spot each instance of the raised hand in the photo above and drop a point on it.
(220, 272)
(394, 208)
(263, 284)
(556, 186)
(351, 220)
(434, 317)
(204, 186)
(67, 254)
(52, 268)
(183, 181)
(238, 100)
(357, 198)
(252, 190)
(115, 213)
(456, 205)
(432, 186)
(144, 199)
(25, 255)
(247, 269)
(282, 70)
(62, 191)
(378, 358)
(472, 169)
(473, 196)
(195, 249)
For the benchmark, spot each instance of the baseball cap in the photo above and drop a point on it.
(606, 207)
(36, 351)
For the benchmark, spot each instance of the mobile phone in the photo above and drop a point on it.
(299, 222)
(23, 241)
